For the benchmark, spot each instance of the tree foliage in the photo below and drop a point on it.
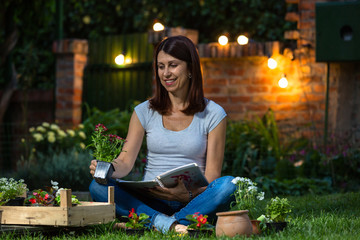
(89, 19)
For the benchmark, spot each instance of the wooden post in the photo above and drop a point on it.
(111, 195)
(65, 198)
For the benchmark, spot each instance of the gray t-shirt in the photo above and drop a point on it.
(169, 149)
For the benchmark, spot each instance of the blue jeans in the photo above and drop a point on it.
(216, 198)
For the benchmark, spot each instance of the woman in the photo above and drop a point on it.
(181, 127)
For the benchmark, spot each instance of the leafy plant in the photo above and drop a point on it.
(278, 209)
(135, 221)
(247, 196)
(199, 222)
(40, 197)
(106, 147)
(10, 189)
(70, 167)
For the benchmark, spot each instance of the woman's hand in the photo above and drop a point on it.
(92, 167)
(178, 193)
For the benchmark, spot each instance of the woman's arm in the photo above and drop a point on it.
(126, 160)
(215, 151)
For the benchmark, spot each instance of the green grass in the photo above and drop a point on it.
(333, 216)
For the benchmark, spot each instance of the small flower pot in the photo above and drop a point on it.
(18, 201)
(256, 226)
(131, 231)
(276, 226)
(195, 233)
(103, 172)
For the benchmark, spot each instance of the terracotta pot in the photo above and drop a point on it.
(233, 223)
(103, 172)
(256, 226)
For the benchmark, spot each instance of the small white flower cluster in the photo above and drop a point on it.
(12, 188)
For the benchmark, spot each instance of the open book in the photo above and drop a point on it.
(190, 173)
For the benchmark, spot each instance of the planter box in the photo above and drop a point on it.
(87, 213)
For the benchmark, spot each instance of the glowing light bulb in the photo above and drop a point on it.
(120, 59)
(223, 40)
(272, 64)
(242, 40)
(128, 60)
(158, 27)
(283, 82)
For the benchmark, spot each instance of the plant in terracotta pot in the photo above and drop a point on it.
(248, 197)
(136, 223)
(106, 147)
(199, 225)
(278, 211)
(12, 192)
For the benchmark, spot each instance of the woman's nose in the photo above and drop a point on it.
(167, 72)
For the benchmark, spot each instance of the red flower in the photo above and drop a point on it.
(32, 200)
(131, 213)
(201, 219)
(46, 196)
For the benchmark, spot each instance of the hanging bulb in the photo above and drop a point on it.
(223, 40)
(242, 40)
(158, 27)
(120, 59)
(283, 82)
(272, 64)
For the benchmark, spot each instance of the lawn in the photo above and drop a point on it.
(334, 216)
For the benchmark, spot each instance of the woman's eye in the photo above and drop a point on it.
(173, 65)
(160, 67)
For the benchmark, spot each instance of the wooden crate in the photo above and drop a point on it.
(86, 213)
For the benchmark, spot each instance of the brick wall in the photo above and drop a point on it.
(246, 87)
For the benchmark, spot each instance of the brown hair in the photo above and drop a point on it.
(182, 48)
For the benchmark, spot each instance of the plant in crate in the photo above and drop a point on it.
(106, 147)
(12, 191)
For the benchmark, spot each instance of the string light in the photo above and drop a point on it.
(120, 59)
(242, 40)
(272, 64)
(223, 40)
(283, 82)
(158, 27)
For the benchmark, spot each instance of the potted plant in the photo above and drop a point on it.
(136, 223)
(237, 220)
(106, 147)
(278, 211)
(13, 192)
(199, 225)
(247, 197)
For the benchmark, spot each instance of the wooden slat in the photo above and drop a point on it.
(292, 17)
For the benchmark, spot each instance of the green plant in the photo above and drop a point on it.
(10, 189)
(40, 197)
(135, 221)
(106, 147)
(247, 196)
(70, 167)
(278, 209)
(199, 222)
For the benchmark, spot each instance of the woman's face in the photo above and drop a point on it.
(173, 74)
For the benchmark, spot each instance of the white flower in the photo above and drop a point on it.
(260, 196)
(58, 192)
(31, 129)
(54, 126)
(82, 135)
(81, 126)
(54, 183)
(235, 180)
(38, 137)
(40, 129)
(51, 138)
(71, 132)
(82, 145)
(45, 124)
(61, 133)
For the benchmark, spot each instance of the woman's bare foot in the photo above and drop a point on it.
(119, 225)
(179, 228)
